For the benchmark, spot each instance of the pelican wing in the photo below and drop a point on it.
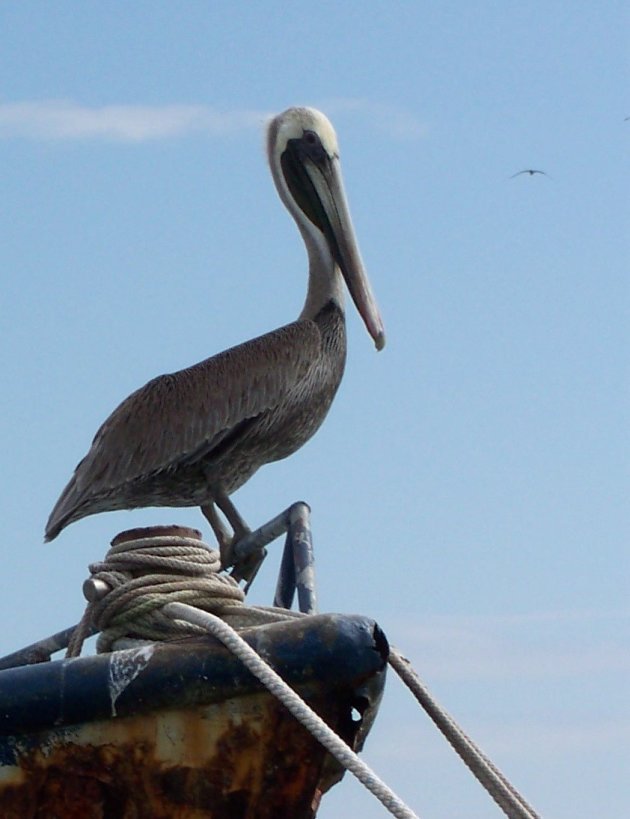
(182, 416)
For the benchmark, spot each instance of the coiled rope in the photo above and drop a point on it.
(169, 585)
(127, 591)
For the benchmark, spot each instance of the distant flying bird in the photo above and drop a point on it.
(530, 171)
(193, 437)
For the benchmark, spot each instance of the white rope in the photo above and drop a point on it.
(151, 588)
(300, 710)
(493, 780)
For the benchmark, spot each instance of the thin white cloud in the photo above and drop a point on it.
(536, 644)
(553, 737)
(528, 618)
(556, 736)
(66, 120)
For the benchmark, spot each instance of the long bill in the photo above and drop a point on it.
(336, 224)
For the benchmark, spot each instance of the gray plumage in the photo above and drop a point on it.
(195, 436)
(183, 437)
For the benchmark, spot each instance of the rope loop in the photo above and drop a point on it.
(144, 570)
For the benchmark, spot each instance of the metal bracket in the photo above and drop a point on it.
(297, 569)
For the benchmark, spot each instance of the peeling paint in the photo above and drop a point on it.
(124, 667)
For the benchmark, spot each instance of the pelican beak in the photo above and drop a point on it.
(317, 187)
(339, 232)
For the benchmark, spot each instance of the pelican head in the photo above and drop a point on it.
(304, 159)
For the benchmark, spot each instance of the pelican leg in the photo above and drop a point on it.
(225, 539)
(233, 515)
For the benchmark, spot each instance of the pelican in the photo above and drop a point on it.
(193, 437)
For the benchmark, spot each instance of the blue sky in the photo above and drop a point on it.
(469, 487)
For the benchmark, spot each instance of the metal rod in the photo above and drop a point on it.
(262, 536)
(297, 570)
(249, 551)
(41, 651)
(303, 557)
(285, 587)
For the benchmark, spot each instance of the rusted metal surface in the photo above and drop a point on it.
(181, 731)
(297, 570)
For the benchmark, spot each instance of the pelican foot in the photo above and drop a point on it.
(227, 548)
(246, 568)
(225, 540)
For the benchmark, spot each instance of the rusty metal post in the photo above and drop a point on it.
(297, 570)
(303, 556)
(285, 587)
(41, 651)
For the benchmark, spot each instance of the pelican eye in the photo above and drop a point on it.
(312, 146)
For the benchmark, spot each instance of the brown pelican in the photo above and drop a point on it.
(530, 171)
(193, 437)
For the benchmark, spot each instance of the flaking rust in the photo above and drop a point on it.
(182, 731)
(247, 759)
